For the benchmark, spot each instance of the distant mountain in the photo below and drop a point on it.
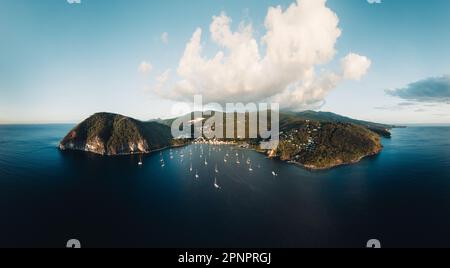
(289, 118)
(113, 134)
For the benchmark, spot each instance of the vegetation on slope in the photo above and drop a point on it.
(112, 134)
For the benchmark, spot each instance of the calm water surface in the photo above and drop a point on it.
(401, 197)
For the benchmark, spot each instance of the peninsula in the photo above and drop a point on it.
(315, 140)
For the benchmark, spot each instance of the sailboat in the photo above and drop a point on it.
(250, 168)
(196, 174)
(225, 160)
(237, 161)
(248, 161)
(206, 163)
(190, 169)
(163, 165)
(216, 185)
(216, 170)
(274, 174)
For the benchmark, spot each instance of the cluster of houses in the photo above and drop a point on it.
(292, 137)
(202, 140)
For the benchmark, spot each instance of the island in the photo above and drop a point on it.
(114, 134)
(314, 140)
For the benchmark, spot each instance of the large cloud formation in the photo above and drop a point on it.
(281, 67)
(433, 89)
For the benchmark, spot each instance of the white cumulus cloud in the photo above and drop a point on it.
(281, 66)
(354, 66)
(145, 67)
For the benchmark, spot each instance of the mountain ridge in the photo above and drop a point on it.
(313, 140)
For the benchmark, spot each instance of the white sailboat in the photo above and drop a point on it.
(190, 169)
(216, 170)
(196, 174)
(206, 162)
(216, 185)
(274, 174)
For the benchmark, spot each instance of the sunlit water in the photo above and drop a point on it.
(401, 197)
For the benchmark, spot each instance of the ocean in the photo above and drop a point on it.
(400, 197)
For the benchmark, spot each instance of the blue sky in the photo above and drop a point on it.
(61, 62)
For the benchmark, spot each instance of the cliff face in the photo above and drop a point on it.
(113, 134)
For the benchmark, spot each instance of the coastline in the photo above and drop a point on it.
(315, 168)
(121, 154)
(305, 166)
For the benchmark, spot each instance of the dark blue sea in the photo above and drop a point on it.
(400, 197)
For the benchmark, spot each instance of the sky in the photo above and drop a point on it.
(385, 61)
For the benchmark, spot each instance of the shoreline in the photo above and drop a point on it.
(314, 168)
(304, 166)
(121, 154)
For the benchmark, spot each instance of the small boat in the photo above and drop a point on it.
(196, 175)
(206, 163)
(190, 169)
(216, 170)
(216, 185)
(250, 168)
(274, 174)
(140, 161)
(237, 161)
(163, 165)
(225, 160)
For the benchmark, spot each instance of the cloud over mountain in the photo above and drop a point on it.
(281, 66)
(433, 89)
